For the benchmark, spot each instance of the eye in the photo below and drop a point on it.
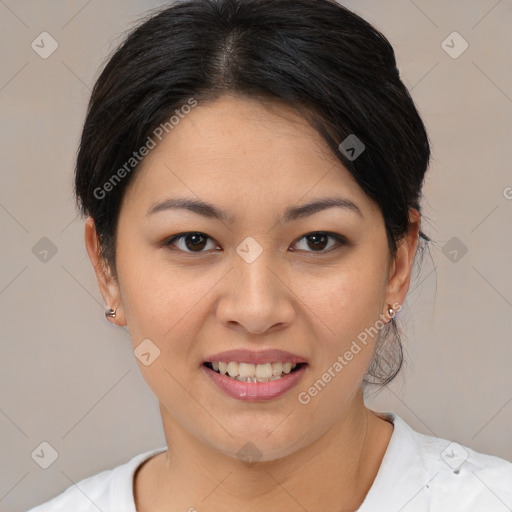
(192, 242)
(195, 242)
(318, 240)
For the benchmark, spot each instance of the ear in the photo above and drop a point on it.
(108, 285)
(401, 266)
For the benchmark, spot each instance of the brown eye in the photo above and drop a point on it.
(195, 242)
(318, 241)
(191, 242)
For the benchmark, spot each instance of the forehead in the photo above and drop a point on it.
(245, 154)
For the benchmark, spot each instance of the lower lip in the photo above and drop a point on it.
(255, 391)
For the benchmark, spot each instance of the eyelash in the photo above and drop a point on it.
(340, 239)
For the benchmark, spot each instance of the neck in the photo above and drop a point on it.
(332, 474)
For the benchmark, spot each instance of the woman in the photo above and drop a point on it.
(251, 172)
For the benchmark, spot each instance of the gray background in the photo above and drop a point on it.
(70, 379)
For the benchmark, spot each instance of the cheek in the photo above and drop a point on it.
(149, 291)
(345, 310)
(348, 300)
(163, 302)
(161, 305)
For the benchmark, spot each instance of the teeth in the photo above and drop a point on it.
(233, 369)
(264, 371)
(277, 368)
(287, 367)
(248, 372)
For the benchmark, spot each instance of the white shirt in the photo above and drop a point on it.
(418, 473)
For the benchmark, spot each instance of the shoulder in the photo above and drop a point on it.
(109, 491)
(475, 479)
(420, 472)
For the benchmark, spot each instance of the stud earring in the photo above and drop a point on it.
(391, 313)
(109, 312)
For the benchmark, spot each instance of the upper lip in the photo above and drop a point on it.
(255, 357)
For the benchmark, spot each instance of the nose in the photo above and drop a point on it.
(256, 297)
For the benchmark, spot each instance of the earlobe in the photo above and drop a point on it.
(108, 286)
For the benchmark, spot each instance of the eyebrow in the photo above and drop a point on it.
(296, 212)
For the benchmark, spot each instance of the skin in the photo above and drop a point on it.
(253, 160)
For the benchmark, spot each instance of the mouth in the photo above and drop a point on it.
(254, 373)
(254, 376)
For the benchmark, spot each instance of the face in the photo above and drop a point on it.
(253, 282)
